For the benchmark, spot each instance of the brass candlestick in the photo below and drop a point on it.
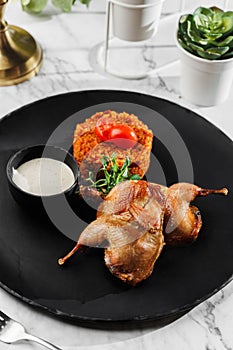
(20, 55)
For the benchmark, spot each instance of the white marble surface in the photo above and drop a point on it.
(67, 40)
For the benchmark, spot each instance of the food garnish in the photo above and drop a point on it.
(110, 174)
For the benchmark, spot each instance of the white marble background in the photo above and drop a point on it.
(67, 40)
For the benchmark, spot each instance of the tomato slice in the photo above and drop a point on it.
(121, 135)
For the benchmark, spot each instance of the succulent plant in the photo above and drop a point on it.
(207, 33)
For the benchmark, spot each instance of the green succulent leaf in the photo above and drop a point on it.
(203, 11)
(208, 56)
(85, 2)
(227, 23)
(218, 50)
(193, 34)
(195, 47)
(33, 6)
(212, 36)
(229, 54)
(36, 6)
(64, 5)
(228, 14)
(183, 19)
(226, 42)
(183, 23)
(216, 9)
(201, 21)
(185, 46)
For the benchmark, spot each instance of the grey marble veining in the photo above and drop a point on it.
(67, 40)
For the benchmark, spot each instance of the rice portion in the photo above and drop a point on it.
(88, 148)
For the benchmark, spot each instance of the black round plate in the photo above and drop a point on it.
(84, 290)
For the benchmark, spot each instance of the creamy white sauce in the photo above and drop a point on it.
(43, 176)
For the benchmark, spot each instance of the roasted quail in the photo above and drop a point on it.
(133, 221)
(182, 221)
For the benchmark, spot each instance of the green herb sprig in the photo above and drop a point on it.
(112, 174)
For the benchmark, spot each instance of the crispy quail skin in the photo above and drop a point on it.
(144, 204)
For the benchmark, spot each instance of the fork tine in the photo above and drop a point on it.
(4, 317)
(15, 332)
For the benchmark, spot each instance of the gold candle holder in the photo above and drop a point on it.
(20, 55)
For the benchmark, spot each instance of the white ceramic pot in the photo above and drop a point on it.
(204, 82)
(135, 20)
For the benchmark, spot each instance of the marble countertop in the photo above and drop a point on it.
(69, 42)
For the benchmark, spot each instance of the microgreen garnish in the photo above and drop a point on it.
(112, 174)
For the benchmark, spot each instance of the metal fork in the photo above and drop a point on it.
(12, 332)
